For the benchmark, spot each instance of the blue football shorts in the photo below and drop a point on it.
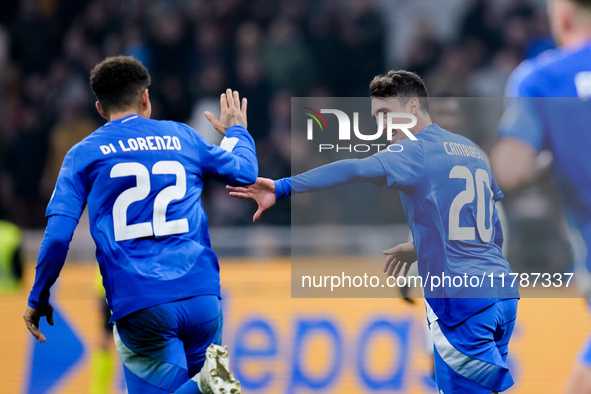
(470, 357)
(161, 347)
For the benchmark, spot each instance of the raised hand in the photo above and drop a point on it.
(262, 191)
(398, 256)
(232, 112)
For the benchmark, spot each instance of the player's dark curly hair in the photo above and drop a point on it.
(400, 84)
(118, 82)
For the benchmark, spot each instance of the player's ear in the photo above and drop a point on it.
(146, 104)
(145, 99)
(100, 110)
(415, 106)
(564, 13)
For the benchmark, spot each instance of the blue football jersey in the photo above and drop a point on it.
(448, 193)
(142, 181)
(553, 112)
(561, 72)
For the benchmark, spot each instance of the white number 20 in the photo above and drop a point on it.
(457, 233)
(160, 226)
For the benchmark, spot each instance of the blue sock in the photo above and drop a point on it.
(190, 387)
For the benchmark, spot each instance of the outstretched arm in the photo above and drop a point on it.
(339, 173)
(233, 162)
(266, 192)
(52, 256)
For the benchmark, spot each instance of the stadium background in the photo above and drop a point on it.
(270, 51)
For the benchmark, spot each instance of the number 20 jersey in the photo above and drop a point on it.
(448, 193)
(142, 181)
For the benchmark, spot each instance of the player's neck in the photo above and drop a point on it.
(577, 39)
(422, 122)
(123, 114)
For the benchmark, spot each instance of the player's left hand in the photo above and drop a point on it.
(32, 318)
(232, 112)
(401, 255)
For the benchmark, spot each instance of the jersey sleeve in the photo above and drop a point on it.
(282, 188)
(522, 121)
(387, 169)
(404, 169)
(234, 162)
(338, 173)
(514, 86)
(52, 256)
(69, 196)
(528, 87)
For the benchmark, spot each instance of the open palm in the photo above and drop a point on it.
(403, 255)
(262, 191)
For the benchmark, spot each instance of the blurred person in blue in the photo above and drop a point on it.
(142, 181)
(448, 193)
(552, 112)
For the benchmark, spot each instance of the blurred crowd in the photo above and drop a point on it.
(269, 50)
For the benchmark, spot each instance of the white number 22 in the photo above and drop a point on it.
(457, 233)
(160, 226)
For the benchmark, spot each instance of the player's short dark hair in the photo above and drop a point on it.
(118, 82)
(401, 84)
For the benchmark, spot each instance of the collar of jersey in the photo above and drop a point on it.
(431, 127)
(123, 120)
(578, 46)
